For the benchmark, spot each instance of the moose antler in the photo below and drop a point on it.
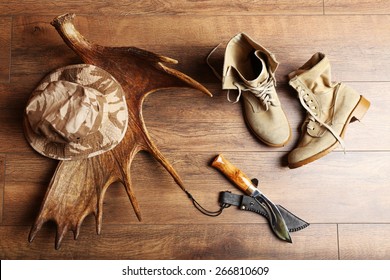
(78, 187)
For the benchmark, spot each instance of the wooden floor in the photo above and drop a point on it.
(345, 197)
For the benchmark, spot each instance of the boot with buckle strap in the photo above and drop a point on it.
(250, 69)
(330, 108)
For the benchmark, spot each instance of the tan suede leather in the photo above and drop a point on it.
(330, 107)
(250, 69)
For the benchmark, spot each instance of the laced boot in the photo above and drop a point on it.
(330, 108)
(250, 69)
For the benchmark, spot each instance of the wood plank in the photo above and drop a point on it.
(200, 123)
(172, 7)
(2, 180)
(15, 95)
(229, 131)
(332, 190)
(364, 241)
(37, 49)
(356, 7)
(5, 48)
(29, 168)
(11, 131)
(348, 48)
(172, 242)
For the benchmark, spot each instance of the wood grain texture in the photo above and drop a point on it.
(364, 241)
(345, 197)
(171, 7)
(318, 193)
(5, 48)
(292, 46)
(2, 179)
(356, 7)
(173, 242)
(38, 50)
(173, 121)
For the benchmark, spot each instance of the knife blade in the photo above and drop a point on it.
(247, 203)
(276, 221)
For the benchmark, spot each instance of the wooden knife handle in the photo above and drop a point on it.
(233, 174)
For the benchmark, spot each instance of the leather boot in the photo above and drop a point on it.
(250, 69)
(330, 108)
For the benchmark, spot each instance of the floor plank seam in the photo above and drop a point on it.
(8, 79)
(2, 183)
(149, 224)
(323, 8)
(323, 13)
(10, 48)
(338, 242)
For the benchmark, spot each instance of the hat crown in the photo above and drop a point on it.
(66, 111)
(77, 111)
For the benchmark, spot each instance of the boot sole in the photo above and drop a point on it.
(357, 114)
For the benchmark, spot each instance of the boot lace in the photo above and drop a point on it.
(307, 103)
(263, 91)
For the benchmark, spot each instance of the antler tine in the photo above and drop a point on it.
(131, 195)
(61, 231)
(35, 228)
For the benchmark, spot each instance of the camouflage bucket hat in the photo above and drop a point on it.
(76, 112)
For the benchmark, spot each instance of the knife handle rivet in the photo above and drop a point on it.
(243, 207)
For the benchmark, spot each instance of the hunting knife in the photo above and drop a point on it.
(278, 225)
